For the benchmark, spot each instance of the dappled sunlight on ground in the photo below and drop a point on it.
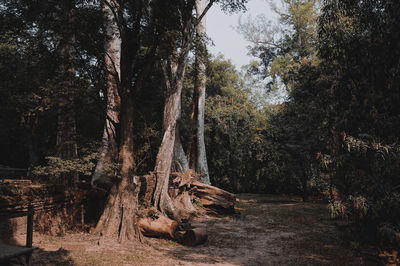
(267, 230)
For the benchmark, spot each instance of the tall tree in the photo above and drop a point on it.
(283, 48)
(174, 64)
(67, 147)
(174, 70)
(197, 153)
(139, 37)
(109, 149)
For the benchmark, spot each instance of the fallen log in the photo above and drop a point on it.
(210, 197)
(160, 227)
(215, 198)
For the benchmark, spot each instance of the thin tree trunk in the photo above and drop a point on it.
(109, 150)
(32, 150)
(304, 181)
(174, 71)
(66, 129)
(66, 125)
(161, 199)
(179, 161)
(197, 152)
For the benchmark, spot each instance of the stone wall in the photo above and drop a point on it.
(57, 209)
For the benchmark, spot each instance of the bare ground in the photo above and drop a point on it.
(267, 230)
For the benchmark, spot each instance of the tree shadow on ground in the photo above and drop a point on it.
(269, 230)
(223, 245)
(57, 257)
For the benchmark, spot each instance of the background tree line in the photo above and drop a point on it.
(338, 130)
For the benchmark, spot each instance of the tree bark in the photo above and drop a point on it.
(119, 216)
(179, 162)
(174, 70)
(161, 199)
(66, 129)
(197, 152)
(66, 125)
(109, 149)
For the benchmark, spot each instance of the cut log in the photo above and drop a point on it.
(192, 237)
(160, 227)
(184, 206)
(215, 198)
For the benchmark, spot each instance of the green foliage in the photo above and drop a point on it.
(283, 48)
(242, 153)
(359, 38)
(352, 208)
(233, 127)
(230, 128)
(56, 168)
(32, 85)
(297, 128)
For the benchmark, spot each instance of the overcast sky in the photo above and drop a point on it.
(220, 28)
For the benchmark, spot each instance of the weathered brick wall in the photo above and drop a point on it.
(57, 209)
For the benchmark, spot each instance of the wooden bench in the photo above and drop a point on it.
(7, 251)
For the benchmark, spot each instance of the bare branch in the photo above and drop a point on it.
(205, 12)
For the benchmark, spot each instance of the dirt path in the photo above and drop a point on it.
(268, 230)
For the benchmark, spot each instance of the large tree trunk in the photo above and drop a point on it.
(120, 214)
(197, 152)
(109, 150)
